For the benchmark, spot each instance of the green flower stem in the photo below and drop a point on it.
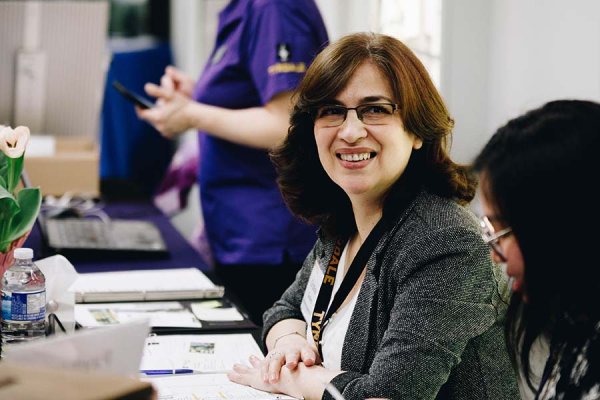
(18, 211)
(15, 167)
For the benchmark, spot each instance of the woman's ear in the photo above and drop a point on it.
(417, 143)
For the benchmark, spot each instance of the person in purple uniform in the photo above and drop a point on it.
(240, 106)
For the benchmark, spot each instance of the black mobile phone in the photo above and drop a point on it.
(133, 97)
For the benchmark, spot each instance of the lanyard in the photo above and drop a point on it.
(322, 313)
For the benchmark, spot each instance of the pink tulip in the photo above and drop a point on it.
(14, 141)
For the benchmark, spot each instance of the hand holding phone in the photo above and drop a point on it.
(133, 97)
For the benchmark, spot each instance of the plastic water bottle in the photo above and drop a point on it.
(23, 300)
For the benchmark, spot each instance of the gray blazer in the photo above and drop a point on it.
(428, 319)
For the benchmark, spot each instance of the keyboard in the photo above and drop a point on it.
(119, 236)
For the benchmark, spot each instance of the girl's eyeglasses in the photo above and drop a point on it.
(491, 237)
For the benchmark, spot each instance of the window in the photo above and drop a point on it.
(131, 18)
(418, 23)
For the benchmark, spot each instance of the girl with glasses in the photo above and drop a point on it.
(397, 299)
(532, 171)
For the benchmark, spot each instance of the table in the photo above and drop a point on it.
(182, 254)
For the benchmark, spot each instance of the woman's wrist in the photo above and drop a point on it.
(288, 334)
(300, 382)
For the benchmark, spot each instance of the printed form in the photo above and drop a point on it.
(201, 353)
(207, 387)
(211, 357)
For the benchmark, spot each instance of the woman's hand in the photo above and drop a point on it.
(302, 382)
(168, 116)
(177, 81)
(289, 350)
(251, 376)
(173, 95)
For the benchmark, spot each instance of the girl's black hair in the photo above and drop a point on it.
(540, 173)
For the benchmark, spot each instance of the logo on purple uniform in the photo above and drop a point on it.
(283, 64)
(283, 52)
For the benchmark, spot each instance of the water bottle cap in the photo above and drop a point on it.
(23, 253)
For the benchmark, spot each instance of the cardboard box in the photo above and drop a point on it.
(34, 383)
(74, 168)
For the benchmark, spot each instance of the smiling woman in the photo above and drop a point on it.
(365, 155)
(400, 283)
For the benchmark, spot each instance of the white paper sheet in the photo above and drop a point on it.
(203, 353)
(160, 314)
(116, 349)
(206, 387)
(213, 310)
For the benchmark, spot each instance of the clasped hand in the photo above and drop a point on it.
(265, 374)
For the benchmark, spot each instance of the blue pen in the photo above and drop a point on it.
(166, 371)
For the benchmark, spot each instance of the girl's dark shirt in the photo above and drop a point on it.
(576, 373)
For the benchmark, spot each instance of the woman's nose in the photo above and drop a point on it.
(353, 129)
(495, 257)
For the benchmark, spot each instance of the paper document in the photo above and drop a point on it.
(206, 387)
(203, 353)
(117, 349)
(141, 285)
(215, 310)
(161, 314)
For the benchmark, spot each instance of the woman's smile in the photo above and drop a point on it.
(355, 159)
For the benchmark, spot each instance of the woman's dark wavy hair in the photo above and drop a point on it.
(306, 188)
(540, 173)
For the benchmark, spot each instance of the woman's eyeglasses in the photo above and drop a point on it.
(491, 237)
(329, 116)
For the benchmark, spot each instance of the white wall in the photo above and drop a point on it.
(185, 36)
(465, 73)
(542, 53)
(193, 29)
(345, 16)
(503, 57)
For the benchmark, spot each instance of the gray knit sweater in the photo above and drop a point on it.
(428, 319)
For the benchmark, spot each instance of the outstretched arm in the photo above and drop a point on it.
(259, 127)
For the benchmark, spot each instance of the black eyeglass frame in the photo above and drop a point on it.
(360, 110)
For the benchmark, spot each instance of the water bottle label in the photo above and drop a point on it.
(29, 306)
(6, 305)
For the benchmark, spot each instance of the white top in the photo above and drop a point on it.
(333, 336)
(23, 253)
